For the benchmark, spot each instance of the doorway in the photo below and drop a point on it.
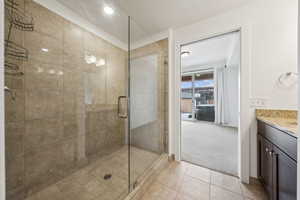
(210, 71)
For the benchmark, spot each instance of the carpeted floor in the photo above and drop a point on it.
(210, 145)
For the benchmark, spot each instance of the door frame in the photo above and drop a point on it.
(244, 88)
(213, 71)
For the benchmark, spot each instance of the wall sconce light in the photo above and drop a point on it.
(45, 50)
(90, 59)
(100, 62)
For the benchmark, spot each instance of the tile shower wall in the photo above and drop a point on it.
(64, 113)
(153, 135)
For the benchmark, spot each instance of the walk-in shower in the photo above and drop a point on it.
(85, 108)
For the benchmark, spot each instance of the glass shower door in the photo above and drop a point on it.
(147, 95)
(64, 138)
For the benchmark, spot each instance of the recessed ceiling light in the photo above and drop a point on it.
(185, 53)
(108, 10)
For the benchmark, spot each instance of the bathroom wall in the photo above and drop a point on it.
(153, 135)
(271, 48)
(65, 111)
(272, 52)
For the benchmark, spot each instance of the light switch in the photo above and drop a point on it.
(258, 102)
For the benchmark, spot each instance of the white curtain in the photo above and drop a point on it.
(219, 97)
(226, 96)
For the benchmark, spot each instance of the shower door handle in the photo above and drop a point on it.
(124, 115)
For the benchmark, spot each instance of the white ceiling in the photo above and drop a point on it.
(158, 15)
(210, 51)
(150, 16)
(92, 11)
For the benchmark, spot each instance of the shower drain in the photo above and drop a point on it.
(107, 176)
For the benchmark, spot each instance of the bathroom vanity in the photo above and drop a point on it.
(277, 156)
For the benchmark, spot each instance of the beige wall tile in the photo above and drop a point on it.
(70, 123)
(14, 82)
(73, 38)
(14, 139)
(41, 132)
(41, 103)
(35, 42)
(15, 194)
(43, 75)
(15, 173)
(14, 109)
(47, 165)
(45, 21)
(73, 60)
(70, 103)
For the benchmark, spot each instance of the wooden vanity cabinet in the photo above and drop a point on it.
(266, 175)
(277, 170)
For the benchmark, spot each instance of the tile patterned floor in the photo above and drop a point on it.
(179, 181)
(184, 181)
(88, 183)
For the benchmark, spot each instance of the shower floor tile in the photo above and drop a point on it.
(89, 184)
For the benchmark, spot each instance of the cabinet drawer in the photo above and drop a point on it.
(286, 142)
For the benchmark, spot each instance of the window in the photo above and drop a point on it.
(204, 96)
(187, 97)
(204, 89)
(197, 96)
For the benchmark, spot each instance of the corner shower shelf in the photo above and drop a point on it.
(11, 66)
(20, 21)
(11, 4)
(16, 51)
(14, 73)
(17, 18)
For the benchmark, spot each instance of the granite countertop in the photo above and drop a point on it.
(285, 120)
